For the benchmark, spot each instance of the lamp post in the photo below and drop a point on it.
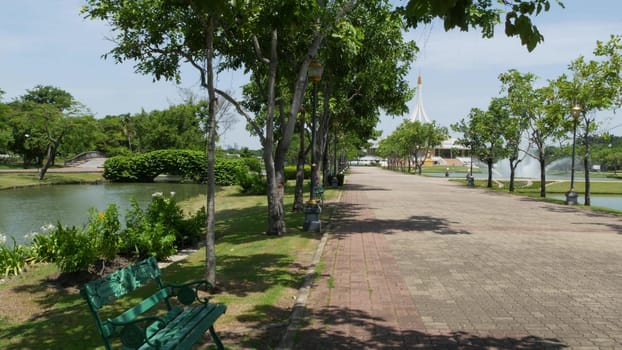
(315, 74)
(571, 195)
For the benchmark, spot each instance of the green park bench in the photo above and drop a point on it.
(177, 324)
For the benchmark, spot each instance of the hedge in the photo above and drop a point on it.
(190, 165)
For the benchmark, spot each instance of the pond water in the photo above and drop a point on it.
(26, 210)
(611, 202)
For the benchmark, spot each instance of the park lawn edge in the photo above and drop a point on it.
(46, 315)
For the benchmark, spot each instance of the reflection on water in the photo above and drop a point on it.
(25, 210)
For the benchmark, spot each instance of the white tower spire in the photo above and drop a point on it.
(419, 113)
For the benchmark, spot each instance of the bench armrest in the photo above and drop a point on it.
(187, 293)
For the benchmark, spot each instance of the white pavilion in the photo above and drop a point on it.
(449, 152)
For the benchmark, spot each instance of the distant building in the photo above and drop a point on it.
(419, 113)
(449, 152)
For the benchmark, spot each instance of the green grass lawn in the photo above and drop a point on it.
(12, 180)
(529, 187)
(532, 189)
(259, 276)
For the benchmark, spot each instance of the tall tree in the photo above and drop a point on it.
(177, 127)
(483, 133)
(396, 148)
(537, 110)
(366, 64)
(285, 37)
(595, 85)
(520, 98)
(48, 111)
(160, 36)
(413, 141)
(6, 136)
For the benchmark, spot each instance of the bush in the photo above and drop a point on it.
(290, 172)
(227, 172)
(192, 229)
(191, 165)
(253, 184)
(12, 260)
(104, 229)
(76, 249)
(144, 237)
(253, 164)
(45, 246)
(157, 231)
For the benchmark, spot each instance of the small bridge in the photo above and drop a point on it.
(83, 158)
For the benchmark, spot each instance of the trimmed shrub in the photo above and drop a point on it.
(253, 164)
(290, 172)
(253, 184)
(191, 165)
(228, 171)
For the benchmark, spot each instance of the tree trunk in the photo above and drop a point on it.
(542, 163)
(325, 165)
(276, 214)
(324, 132)
(275, 165)
(586, 167)
(48, 162)
(489, 163)
(512, 174)
(300, 169)
(210, 235)
(513, 165)
(51, 156)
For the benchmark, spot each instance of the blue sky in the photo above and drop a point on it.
(47, 42)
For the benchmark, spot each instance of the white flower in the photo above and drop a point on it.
(47, 228)
(2, 239)
(172, 194)
(157, 194)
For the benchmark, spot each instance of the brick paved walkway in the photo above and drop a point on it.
(424, 263)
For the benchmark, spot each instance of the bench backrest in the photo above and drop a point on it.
(109, 288)
(117, 284)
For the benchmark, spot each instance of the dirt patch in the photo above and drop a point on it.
(76, 279)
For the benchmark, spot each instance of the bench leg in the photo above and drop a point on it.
(216, 338)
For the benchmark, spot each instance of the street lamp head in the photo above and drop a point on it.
(576, 112)
(315, 71)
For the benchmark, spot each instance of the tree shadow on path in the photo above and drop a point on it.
(351, 218)
(329, 330)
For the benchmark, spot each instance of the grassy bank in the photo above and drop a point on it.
(601, 184)
(532, 189)
(15, 180)
(553, 187)
(259, 276)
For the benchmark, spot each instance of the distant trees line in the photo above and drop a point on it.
(47, 122)
(528, 120)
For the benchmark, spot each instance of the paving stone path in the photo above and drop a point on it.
(426, 263)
